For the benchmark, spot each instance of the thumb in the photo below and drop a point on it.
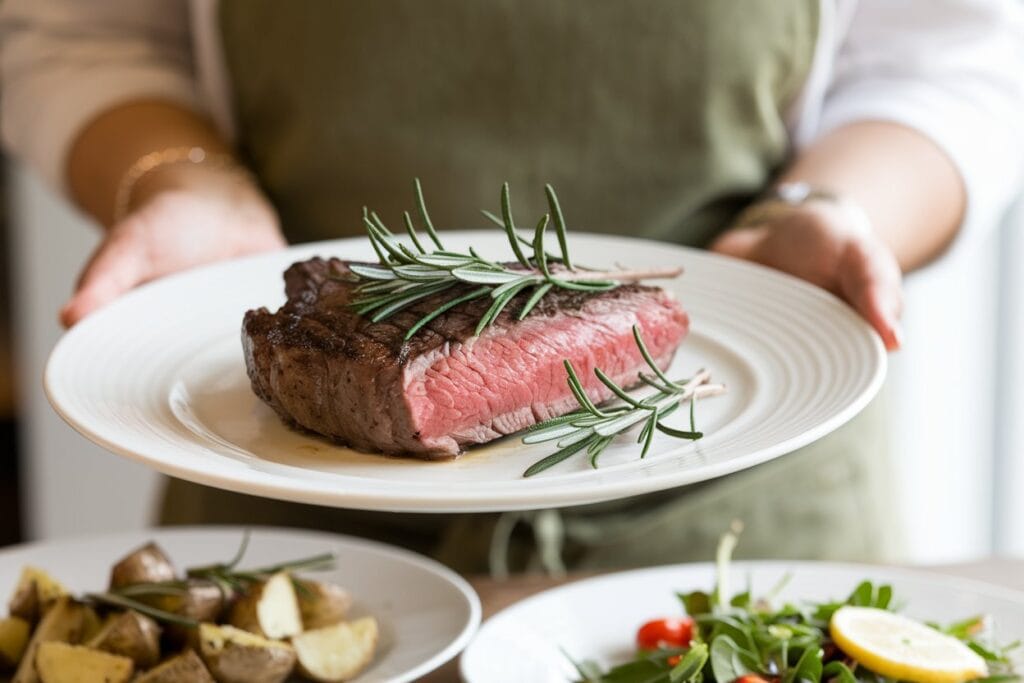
(740, 242)
(116, 267)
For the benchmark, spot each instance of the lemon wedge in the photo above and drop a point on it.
(899, 647)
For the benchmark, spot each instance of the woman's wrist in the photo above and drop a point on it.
(228, 180)
(153, 163)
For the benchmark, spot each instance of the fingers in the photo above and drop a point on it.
(872, 283)
(116, 267)
(740, 242)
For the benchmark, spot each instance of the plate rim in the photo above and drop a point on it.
(462, 499)
(937, 578)
(393, 552)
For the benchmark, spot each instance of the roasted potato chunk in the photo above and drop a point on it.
(185, 668)
(130, 635)
(322, 604)
(14, 634)
(237, 656)
(64, 663)
(62, 623)
(202, 601)
(147, 564)
(336, 653)
(91, 624)
(271, 609)
(35, 593)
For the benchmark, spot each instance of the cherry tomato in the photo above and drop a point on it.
(751, 678)
(665, 633)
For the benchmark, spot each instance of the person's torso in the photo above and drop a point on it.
(658, 118)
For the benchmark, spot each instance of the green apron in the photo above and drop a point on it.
(658, 118)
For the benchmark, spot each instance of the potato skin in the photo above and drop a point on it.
(237, 656)
(58, 662)
(64, 622)
(35, 593)
(14, 635)
(130, 635)
(322, 604)
(185, 668)
(202, 601)
(148, 564)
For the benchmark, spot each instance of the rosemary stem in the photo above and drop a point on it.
(620, 275)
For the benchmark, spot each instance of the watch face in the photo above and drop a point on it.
(793, 193)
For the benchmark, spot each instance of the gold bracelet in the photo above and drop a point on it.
(164, 157)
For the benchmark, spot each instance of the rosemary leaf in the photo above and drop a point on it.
(122, 602)
(534, 299)
(550, 432)
(411, 229)
(555, 458)
(475, 294)
(424, 216)
(510, 227)
(405, 275)
(596, 448)
(679, 433)
(649, 438)
(404, 301)
(538, 246)
(492, 218)
(597, 427)
(500, 302)
(616, 389)
(556, 212)
(650, 359)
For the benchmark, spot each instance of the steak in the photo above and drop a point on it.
(325, 369)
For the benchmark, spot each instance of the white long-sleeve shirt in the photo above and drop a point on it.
(951, 69)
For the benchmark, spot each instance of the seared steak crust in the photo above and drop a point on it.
(328, 370)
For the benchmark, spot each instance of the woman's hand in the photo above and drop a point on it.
(831, 245)
(181, 216)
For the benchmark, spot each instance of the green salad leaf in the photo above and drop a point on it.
(738, 637)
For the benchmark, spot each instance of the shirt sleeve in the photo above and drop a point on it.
(951, 69)
(63, 62)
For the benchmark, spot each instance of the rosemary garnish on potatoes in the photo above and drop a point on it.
(593, 428)
(225, 577)
(405, 275)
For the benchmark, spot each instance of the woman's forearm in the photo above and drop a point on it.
(112, 142)
(909, 188)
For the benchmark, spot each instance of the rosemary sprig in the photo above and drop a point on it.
(225, 575)
(593, 428)
(114, 599)
(405, 275)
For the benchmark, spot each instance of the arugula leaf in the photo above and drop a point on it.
(729, 661)
(808, 668)
(690, 666)
(839, 672)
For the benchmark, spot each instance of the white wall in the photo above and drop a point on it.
(72, 486)
(942, 387)
(1008, 531)
(943, 392)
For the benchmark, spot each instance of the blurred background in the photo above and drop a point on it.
(956, 390)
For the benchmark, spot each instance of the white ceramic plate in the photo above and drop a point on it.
(158, 377)
(597, 619)
(426, 613)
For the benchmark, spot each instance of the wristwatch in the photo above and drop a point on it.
(797, 193)
(784, 196)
